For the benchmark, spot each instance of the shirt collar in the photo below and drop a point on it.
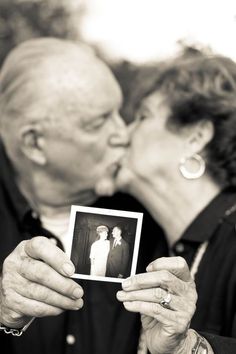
(203, 226)
(18, 202)
(117, 241)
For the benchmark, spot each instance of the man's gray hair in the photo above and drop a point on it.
(23, 70)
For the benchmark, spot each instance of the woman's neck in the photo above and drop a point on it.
(173, 206)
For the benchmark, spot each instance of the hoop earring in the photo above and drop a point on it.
(192, 175)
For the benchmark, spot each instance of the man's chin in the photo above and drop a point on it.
(119, 178)
(123, 180)
(105, 186)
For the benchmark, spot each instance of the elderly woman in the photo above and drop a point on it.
(182, 166)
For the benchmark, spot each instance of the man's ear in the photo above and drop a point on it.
(32, 143)
(201, 134)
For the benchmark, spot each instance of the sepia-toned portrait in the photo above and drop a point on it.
(103, 243)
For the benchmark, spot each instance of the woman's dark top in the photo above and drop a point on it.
(216, 275)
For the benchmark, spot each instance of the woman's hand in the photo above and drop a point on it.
(35, 283)
(166, 328)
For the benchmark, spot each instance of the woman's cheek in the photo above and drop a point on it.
(139, 158)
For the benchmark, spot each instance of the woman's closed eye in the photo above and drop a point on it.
(140, 116)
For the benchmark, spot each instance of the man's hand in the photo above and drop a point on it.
(35, 283)
(166, 329)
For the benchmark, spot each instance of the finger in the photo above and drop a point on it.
(34, 291)
(41, 273)
(163, 279)
(178, 321)
(174, 265)
(156, 295)
(41, 248)
(149, 295)
(29, 307)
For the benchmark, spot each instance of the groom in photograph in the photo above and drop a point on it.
(118, 257)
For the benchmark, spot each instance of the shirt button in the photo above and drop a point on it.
(34, 215)
(70, 339)
(179, 248)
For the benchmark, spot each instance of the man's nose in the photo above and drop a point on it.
(120, 135)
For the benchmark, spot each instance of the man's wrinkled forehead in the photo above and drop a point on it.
(92, 102)
(68, 79)
(84, 87)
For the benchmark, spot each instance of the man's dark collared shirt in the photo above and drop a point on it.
(103, 326)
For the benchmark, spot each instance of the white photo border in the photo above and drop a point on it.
(109, 212)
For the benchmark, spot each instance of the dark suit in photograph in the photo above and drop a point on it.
(118, 259)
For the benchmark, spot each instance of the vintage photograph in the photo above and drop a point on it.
(104, 243)
(117, 105)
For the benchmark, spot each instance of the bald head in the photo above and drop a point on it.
(37, 74)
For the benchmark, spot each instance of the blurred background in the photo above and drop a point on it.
(127, 34)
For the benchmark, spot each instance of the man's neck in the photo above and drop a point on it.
(46, 201)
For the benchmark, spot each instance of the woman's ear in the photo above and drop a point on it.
(201, 134)
(32, 143)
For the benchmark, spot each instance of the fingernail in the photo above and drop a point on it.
(149, 268)
(126, 283)
(77, 293)
(120, 295)
(68, 268)
(79, 305)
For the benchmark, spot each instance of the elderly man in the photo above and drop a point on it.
(62, 138)
(118, 257)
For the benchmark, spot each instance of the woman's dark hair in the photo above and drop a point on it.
(200, 87)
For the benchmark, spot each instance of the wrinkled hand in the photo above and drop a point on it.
(35, 283)
(165, 328)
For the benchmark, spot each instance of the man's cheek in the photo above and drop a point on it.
(96, 153)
